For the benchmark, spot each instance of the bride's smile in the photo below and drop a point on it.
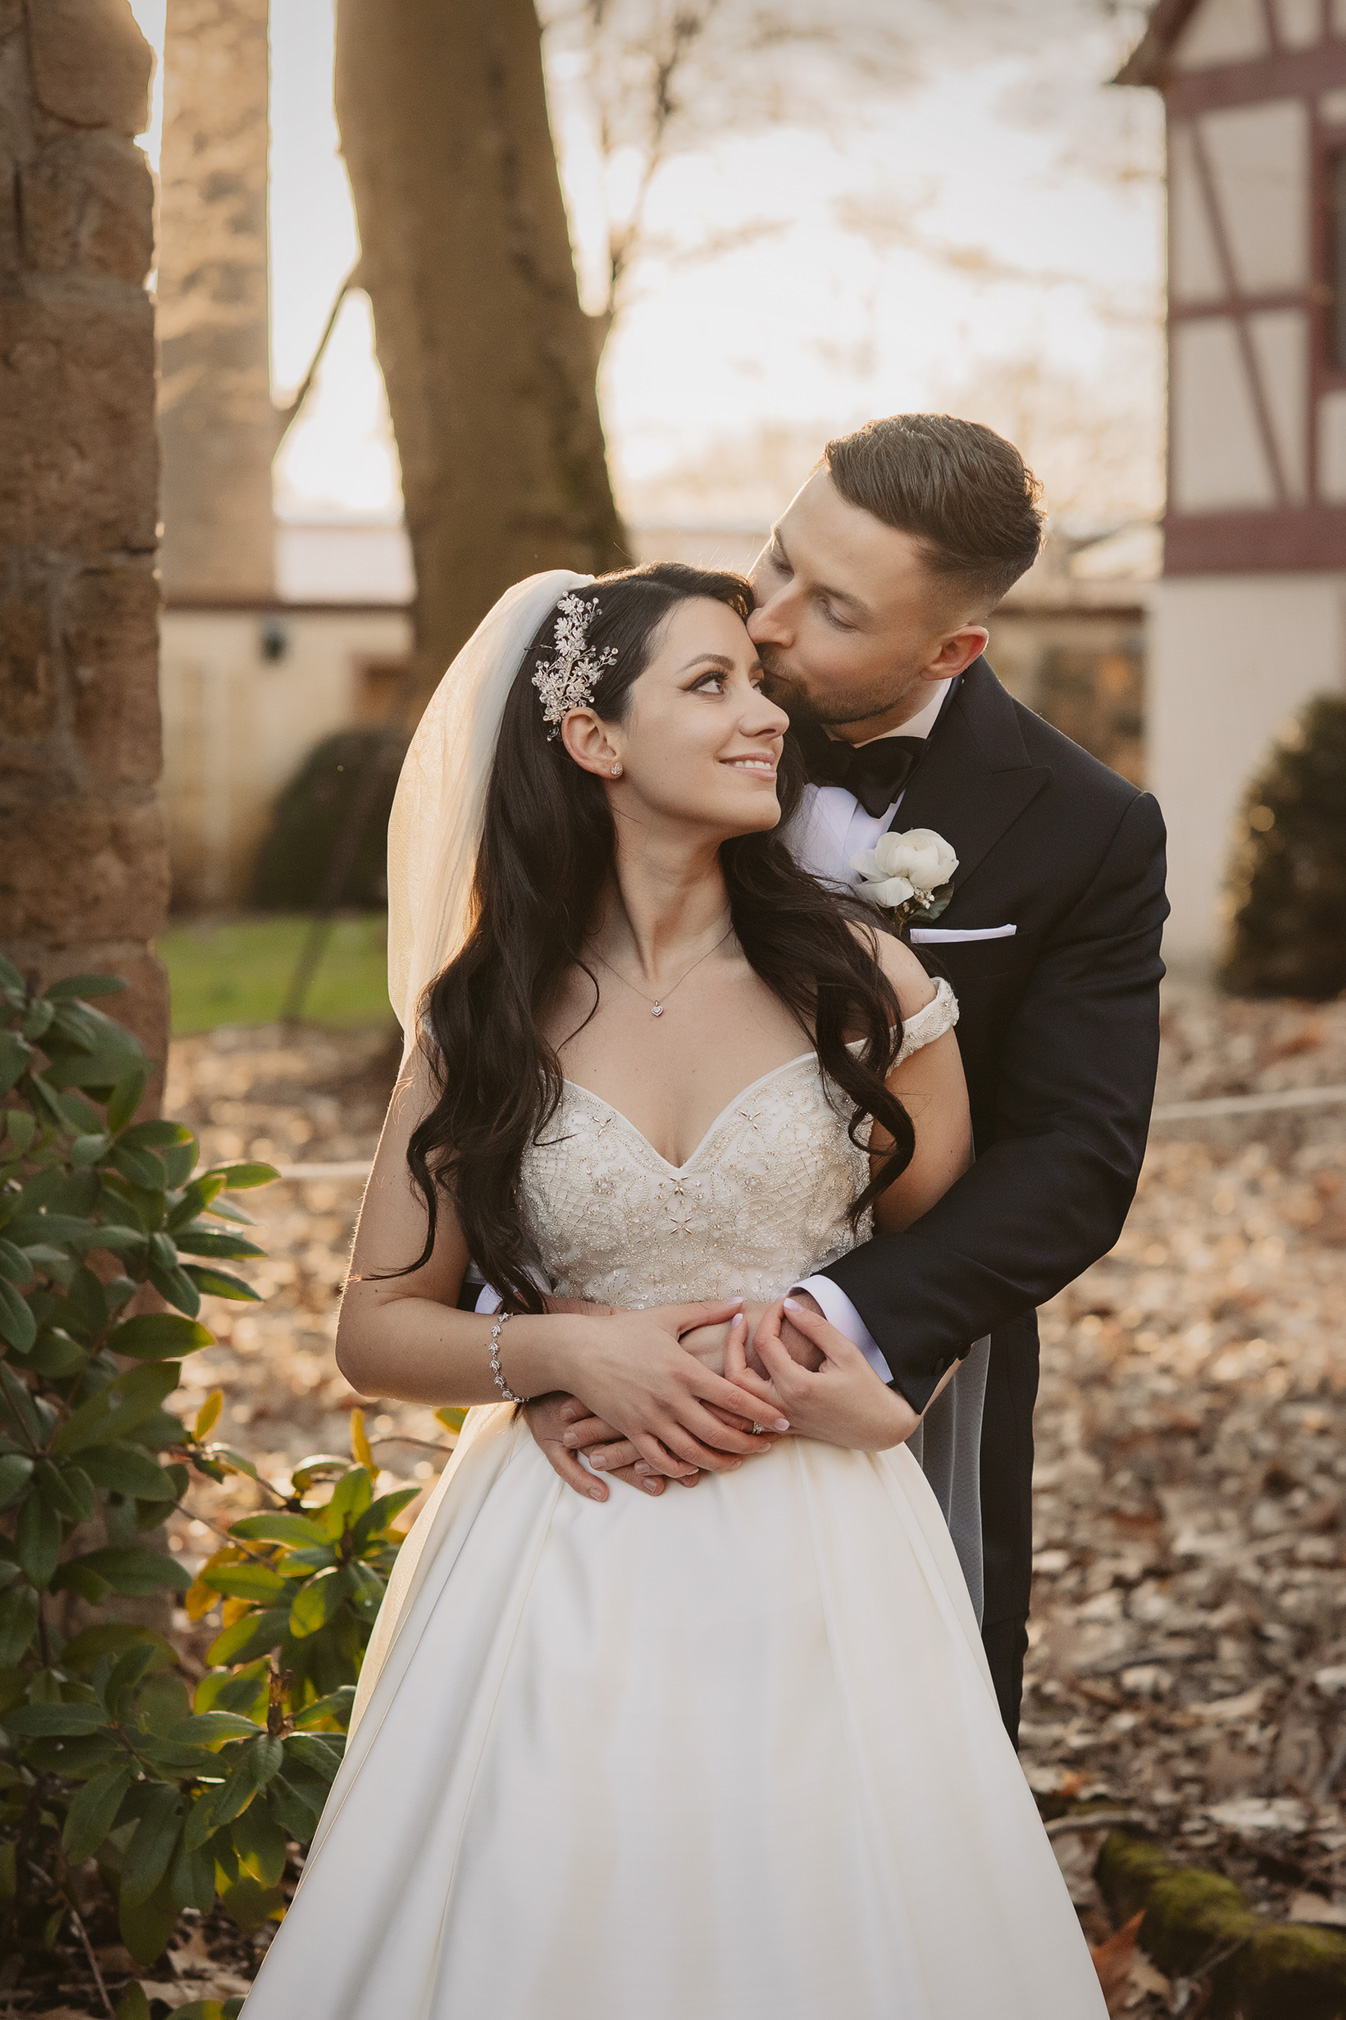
(699, 744)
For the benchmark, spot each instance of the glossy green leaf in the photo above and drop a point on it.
(38, 1540)
(73, 986)
(18, 1622)
(259, 1839)
(133, 2004)
(353, 1493)
(250, 1903)
(54, 1721)
(20, 1126)
(15, 1264)
(213, 1283)
(121, 1468)
(93, 1811)
(155, 1133)
(54, 1353)
(157, 1336)
(245, 1581)
(318, 1466)
(17, 1324)
(127, 1096)
(242, 1177)
(208, 1728)
(147, 1925)
(338, 1705)
(322, 1755)
(14, 1060)
(380, 1513)
(145, 1862)
(136, 1571)
(191, 1882)
(279, 1528)
(315, 1603)
(114, 1637)
(214, 1242)
(16, 1470)
(122, 1405)
(251, 1636)
(176, 1288)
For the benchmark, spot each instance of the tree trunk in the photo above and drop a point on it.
(487, 355)
(83, 871)
(216, 420)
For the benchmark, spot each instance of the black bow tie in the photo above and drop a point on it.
(875, 772)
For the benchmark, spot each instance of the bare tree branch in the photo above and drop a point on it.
(289, 414)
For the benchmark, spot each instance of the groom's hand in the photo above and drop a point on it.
(563, 1426)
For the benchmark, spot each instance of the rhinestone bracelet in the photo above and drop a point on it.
(506, 1392)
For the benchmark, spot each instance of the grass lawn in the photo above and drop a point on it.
(237, 971)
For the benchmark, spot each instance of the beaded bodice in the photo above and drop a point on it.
(762, 1201)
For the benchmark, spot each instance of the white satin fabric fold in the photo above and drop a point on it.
(732, 1753)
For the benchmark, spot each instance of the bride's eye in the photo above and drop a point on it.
(712, 683)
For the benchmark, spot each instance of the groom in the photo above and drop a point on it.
(873, 595)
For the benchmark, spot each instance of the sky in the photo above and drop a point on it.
(976, 224)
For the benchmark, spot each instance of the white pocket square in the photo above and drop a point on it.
(943, 936)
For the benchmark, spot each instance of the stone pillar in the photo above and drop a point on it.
(83, 871)
(218, 426)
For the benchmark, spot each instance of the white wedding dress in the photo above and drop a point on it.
(729, 1754)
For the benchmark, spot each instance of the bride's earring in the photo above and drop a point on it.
(616, 771)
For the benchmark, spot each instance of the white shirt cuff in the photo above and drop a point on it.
(838, 1310)
(488, 1300)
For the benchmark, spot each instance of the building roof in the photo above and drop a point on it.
(1148, 60)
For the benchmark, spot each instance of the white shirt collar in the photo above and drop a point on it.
(924, 721)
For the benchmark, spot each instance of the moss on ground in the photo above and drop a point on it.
(1200, 1924)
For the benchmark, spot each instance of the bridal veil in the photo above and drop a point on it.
(437, 815)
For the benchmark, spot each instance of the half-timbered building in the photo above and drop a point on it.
(1250, 616)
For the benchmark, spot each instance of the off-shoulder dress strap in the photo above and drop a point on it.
(939, 1015)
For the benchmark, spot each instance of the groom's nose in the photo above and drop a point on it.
(769, 623)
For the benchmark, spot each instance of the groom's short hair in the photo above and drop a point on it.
(961, 490)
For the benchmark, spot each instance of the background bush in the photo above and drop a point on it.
(346, 783)
(1288, 887)
(122, 1790)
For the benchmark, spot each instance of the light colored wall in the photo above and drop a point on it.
(1259, 157)
(1230, 659)
(1218, 458)
(1280, 341)
(1222, 31)
(1299, 23)
(237, 725)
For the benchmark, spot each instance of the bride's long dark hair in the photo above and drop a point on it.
(546, 855)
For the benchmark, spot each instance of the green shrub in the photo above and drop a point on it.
(1287, 898)
(106, 1755)
(346, 782)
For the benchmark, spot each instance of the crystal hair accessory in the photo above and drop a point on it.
(569, 680)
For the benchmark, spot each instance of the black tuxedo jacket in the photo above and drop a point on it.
(1059, 1034)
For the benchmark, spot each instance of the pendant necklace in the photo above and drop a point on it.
(657, 1003)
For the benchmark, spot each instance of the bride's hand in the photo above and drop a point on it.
(678, 1415)
(844, 1403)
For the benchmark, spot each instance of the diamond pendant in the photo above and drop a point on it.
(656, 1009)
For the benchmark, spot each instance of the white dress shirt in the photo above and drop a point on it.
(829, 829)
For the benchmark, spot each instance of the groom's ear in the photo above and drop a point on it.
(957, 650)
(586, 739)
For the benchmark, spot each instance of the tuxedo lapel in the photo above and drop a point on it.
(976, 778)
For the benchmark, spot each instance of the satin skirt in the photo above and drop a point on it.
(733, 1752)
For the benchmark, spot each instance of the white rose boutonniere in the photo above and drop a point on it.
(908, 874)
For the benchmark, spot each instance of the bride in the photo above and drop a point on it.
(733, 1752)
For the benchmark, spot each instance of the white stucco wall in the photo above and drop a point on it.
(1222, 31)
(1231, 657)
(237, 724)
